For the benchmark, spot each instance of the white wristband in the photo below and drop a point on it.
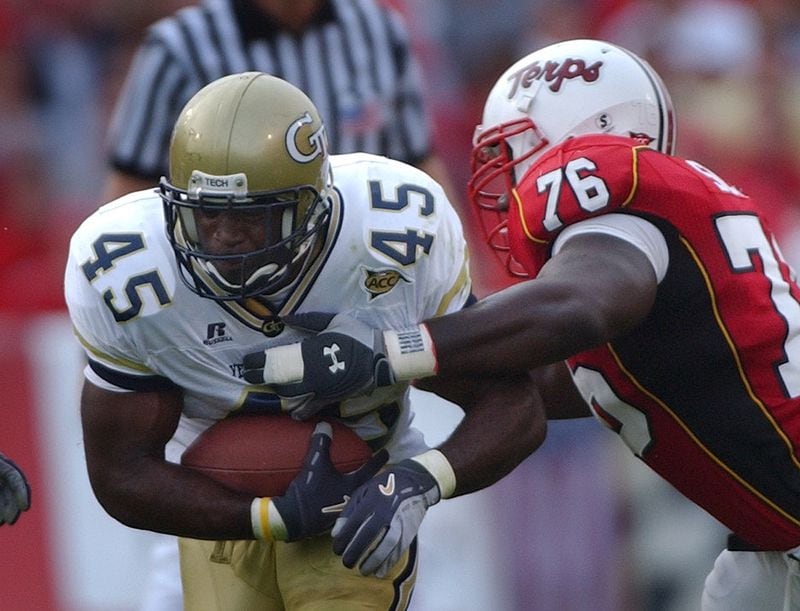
(284, 364)
(410, 352)
(267, 523)
(440, 468)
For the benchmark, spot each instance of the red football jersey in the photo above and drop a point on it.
(707, 389)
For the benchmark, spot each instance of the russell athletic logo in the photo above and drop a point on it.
(215, 334)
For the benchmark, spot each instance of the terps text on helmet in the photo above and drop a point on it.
(553, 72)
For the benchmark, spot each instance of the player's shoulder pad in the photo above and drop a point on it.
(603, 149)
(580, 178)
(393, 212)
(377, 167)
(383, 185)
(120, 248)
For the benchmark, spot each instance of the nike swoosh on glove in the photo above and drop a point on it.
(381, 520)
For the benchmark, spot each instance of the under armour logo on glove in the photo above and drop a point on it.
(345, 359)
(331, 351)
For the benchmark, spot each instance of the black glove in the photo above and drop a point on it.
(318, 493)
(382, 519)
(15, 494)
(345, 359)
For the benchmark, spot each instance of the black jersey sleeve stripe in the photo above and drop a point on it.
(313, 66)
(325, 80)
(140, 123)
(216, 41)
(262, 57)
(355, 50)
(384, 75)
(344, 90)
(290, 65)
(131, 382)
(366, 38)
(414, 124)
(187, 37)
(174, 98)
(330, 63)
(211, 45)
(224, 19)
(151, 155)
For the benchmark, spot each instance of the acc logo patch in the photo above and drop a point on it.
(380, 282)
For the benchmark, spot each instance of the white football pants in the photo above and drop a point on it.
(756, 581)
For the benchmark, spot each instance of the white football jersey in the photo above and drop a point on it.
(394, 255)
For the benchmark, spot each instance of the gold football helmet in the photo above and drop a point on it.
(246, 199)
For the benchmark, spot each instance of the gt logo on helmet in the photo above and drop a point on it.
(316, 141)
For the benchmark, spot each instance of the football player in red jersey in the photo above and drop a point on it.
(647, 291)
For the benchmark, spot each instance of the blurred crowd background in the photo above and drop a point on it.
(577, 526)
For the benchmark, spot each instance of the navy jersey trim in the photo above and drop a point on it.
(153, 383)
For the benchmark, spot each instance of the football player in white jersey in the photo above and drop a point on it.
(170, 289)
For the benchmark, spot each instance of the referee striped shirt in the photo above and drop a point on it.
(353, 61)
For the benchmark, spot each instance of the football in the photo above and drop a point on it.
(261, 454)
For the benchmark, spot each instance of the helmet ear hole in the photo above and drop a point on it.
(604, 122)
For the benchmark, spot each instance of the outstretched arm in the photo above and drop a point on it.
(595, 289)
(504, 422)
